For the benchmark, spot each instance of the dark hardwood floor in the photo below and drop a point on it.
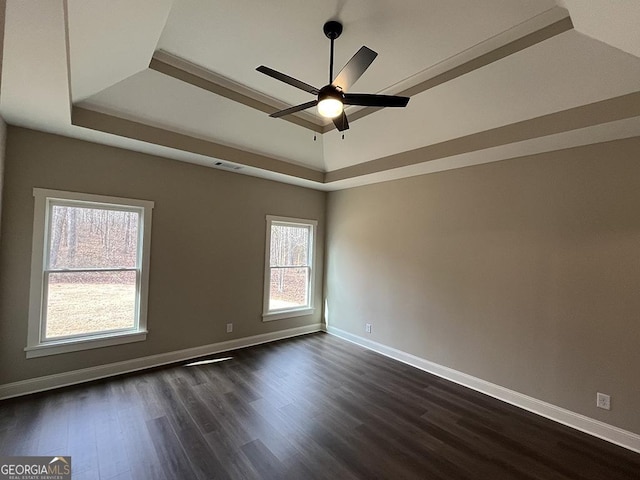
(307, 408)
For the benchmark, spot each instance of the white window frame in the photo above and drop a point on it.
(268, 315)
(37, 345)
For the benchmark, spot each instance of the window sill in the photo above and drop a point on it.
(301, 312)
(75, 345)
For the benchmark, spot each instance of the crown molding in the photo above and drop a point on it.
(605, 111)
(471, 60)
(106, 123)
(185, 71)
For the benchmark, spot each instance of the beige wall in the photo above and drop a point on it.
(3, 142)
(524, 273)
(207, 245)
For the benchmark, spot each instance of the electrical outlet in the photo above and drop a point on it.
(603, 401)
(367, 327)
(229, 327)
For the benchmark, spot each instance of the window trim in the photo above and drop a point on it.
(267, 315)
(36, 346)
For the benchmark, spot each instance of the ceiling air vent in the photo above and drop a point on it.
(227, 166)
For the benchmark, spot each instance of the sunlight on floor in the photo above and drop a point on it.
(207, 362)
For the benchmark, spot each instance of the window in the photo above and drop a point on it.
(288, 289)
(89, 272)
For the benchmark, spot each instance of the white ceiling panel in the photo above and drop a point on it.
(615, 22)
(110, 41)
(35, 90)
(162, 101)
(554, 75)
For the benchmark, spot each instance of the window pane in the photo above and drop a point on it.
(92, 238)
(90, 302)
(288, 288)
(289, 245)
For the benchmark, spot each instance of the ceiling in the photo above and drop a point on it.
(488, 80)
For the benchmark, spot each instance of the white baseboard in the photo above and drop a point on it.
(588, 425)
(73, 377)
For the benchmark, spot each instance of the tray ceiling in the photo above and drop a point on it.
(488, 80)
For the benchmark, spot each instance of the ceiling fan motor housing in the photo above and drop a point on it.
(332, 29)
(329, 91)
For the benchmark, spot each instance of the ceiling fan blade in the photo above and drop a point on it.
(297, 108)
(341, 122)
(354, 68)
(287, 79)
(370, 100)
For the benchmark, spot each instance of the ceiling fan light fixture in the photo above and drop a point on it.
(330, 107)
(330, 102)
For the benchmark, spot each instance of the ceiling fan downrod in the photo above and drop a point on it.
(332, 30)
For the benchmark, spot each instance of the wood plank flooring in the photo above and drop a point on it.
(312, 407)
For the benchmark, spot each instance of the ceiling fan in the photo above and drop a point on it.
(333, 97)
